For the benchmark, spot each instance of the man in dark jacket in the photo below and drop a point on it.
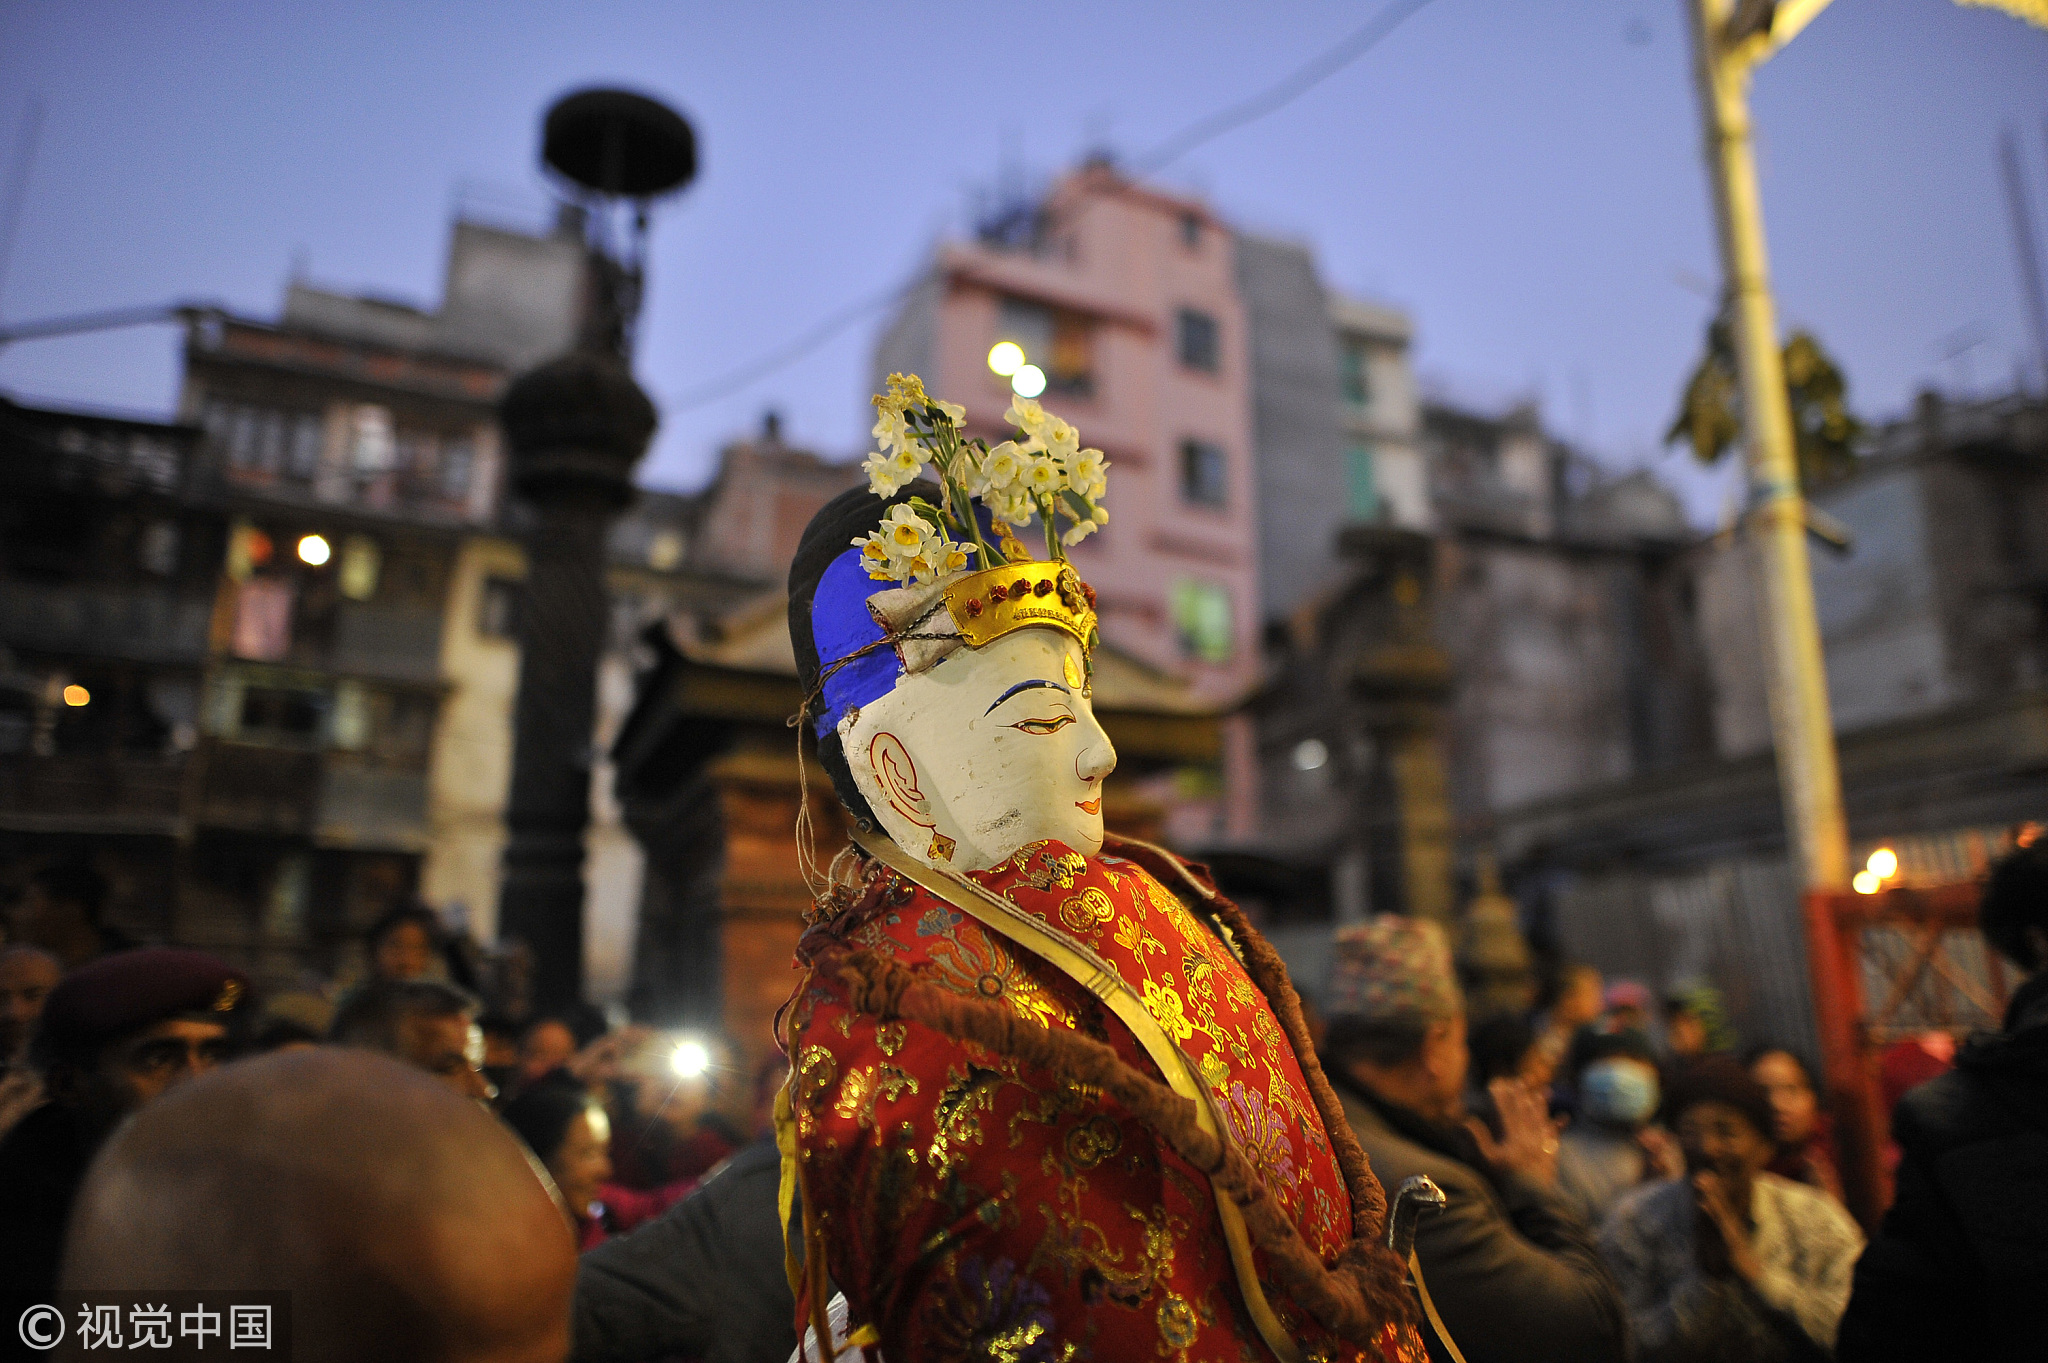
(1513, 1272)
(705, 1280)
(115, 1036)
(1957, 1269)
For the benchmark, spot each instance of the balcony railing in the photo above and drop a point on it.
(119, 622)
(106, 794)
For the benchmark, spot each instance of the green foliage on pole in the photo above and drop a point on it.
(1824, 432)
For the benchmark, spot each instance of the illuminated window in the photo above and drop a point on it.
(1364, 489)
(1201, 618)
(1060, 343)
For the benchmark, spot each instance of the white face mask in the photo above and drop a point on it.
(993, 748)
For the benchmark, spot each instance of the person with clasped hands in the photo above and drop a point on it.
(1730, 1262)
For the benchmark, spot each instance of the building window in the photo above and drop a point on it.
(157, 548)
(1059, 342)
(1201, 618)
(498, 614)
(1198, 342)
(362, 564)
(1204, 473)
(1363, 487)
(1357, 374)
(373, 448)
(262, 443)
(1191, 230)
(309, 434)
(458, 462)
(279, 714)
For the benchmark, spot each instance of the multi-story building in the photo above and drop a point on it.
(1127, 299)
(108, 573)
(319, 608)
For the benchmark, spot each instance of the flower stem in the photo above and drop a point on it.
(1052, 534)
(951, 440)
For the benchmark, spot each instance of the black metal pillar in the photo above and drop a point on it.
(575, 427)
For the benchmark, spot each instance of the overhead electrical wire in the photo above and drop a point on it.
(1203, 130)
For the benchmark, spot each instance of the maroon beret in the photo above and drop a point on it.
(129, 990)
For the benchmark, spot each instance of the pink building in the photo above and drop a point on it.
(1127, 298)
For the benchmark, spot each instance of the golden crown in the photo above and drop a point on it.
(989, 604)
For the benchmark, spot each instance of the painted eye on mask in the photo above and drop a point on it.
(1043, 726)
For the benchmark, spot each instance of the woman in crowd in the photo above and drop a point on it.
(405, 944)
(1731, 1262)
(568, 1131)
(1805, 1134)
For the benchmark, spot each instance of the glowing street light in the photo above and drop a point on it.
(1866, 882)
(314, 549)
(1028, 382)
(1883, 863)
(76, 696)
(690, 1059)
(1006, 358)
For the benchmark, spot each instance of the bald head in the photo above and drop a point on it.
(405, 1221)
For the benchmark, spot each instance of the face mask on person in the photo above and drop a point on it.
(1623, 1092)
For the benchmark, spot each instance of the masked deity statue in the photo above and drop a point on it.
(1051, 1096)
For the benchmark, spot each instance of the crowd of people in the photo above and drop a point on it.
(99, 1038)
(1623, 1181)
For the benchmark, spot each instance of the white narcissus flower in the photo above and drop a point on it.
(1081, 531)
(890, 430)
(904, 533)
(1003, 466)
(1062, 441)
(1011, 505)
(1088, 473)
(874, 558)
(882, 479)
(1043, 477)
(1026, 416)
(955, 413)
(889, 470)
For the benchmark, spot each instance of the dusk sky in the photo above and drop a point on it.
(1524, 178)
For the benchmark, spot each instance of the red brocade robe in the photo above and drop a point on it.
(975, 1207)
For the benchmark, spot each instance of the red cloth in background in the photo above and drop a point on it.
(626, 1208)
(621, 1209)
(1910, 1063)
(1906, 1065)
(647, 1155)
(1813, 1161)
